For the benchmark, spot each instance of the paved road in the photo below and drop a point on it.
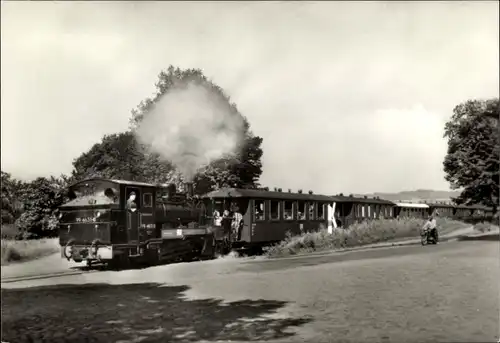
(448, 292)
(54, 264)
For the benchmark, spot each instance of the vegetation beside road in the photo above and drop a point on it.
(27, 250)
(359, 234)
(485, 227)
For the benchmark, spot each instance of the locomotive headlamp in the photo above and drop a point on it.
(60, 215)
(98, 214)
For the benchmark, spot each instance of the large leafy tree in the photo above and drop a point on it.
(41, 198)
(12, 205)
(121, 156)
(241, 169)
(473, 152)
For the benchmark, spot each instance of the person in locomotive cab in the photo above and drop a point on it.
(131, 204)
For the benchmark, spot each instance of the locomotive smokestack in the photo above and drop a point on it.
(189, 189)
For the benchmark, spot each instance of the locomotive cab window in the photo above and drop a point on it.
(148, 200)
(301, 210)
(275, 209)
(288, 210)
(259, 210)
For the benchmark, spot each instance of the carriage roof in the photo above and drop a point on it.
(411, 205)
(263, 194)
(437, 204)
(343, 198)
(118, 182)
(474, 207)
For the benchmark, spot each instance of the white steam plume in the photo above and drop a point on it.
(191, 126)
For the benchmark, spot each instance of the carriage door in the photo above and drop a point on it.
(133, 206)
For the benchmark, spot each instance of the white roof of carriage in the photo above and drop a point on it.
(411, 205)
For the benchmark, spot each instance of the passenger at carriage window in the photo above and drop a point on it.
(288, 210)
(301, 212)
(259, 210)
(311, 211)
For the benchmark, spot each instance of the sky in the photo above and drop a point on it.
(348, 96)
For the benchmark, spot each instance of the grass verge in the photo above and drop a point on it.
(25, 250)
(359, 234)
(485, 227)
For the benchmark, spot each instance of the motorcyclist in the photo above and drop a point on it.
(431, 225)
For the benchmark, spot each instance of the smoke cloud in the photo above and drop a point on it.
(191, 126)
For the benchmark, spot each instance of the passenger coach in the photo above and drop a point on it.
(408, 209)
(269, 215)
(350, 209)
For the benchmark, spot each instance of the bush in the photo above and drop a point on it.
(25, 250)
(358, 234)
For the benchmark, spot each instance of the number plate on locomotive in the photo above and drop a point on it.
(86, 220)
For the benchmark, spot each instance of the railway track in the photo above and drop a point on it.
(45, 276)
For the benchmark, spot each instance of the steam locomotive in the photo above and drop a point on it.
(118, 222)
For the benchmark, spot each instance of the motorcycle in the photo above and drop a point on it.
(426, 237)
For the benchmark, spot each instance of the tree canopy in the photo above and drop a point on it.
(472, 160)
(32, 206)
(121, 156)
(11, 202)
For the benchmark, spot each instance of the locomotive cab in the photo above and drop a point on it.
(105, 218)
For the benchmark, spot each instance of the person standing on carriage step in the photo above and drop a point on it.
(217, 218)
(237, 223)
(226, 223)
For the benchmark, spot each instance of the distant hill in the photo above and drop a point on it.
(415, 196)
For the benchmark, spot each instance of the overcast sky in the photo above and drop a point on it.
(349, 97)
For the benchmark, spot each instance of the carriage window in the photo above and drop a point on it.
(301, 210)
(390, 211)
(258, 210)
(288, 210)
(312, 207)
(275, 209)
(148, 200)
(369, 208)
(362, 210)
(321, 211)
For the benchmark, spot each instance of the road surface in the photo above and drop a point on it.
(448, 292)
